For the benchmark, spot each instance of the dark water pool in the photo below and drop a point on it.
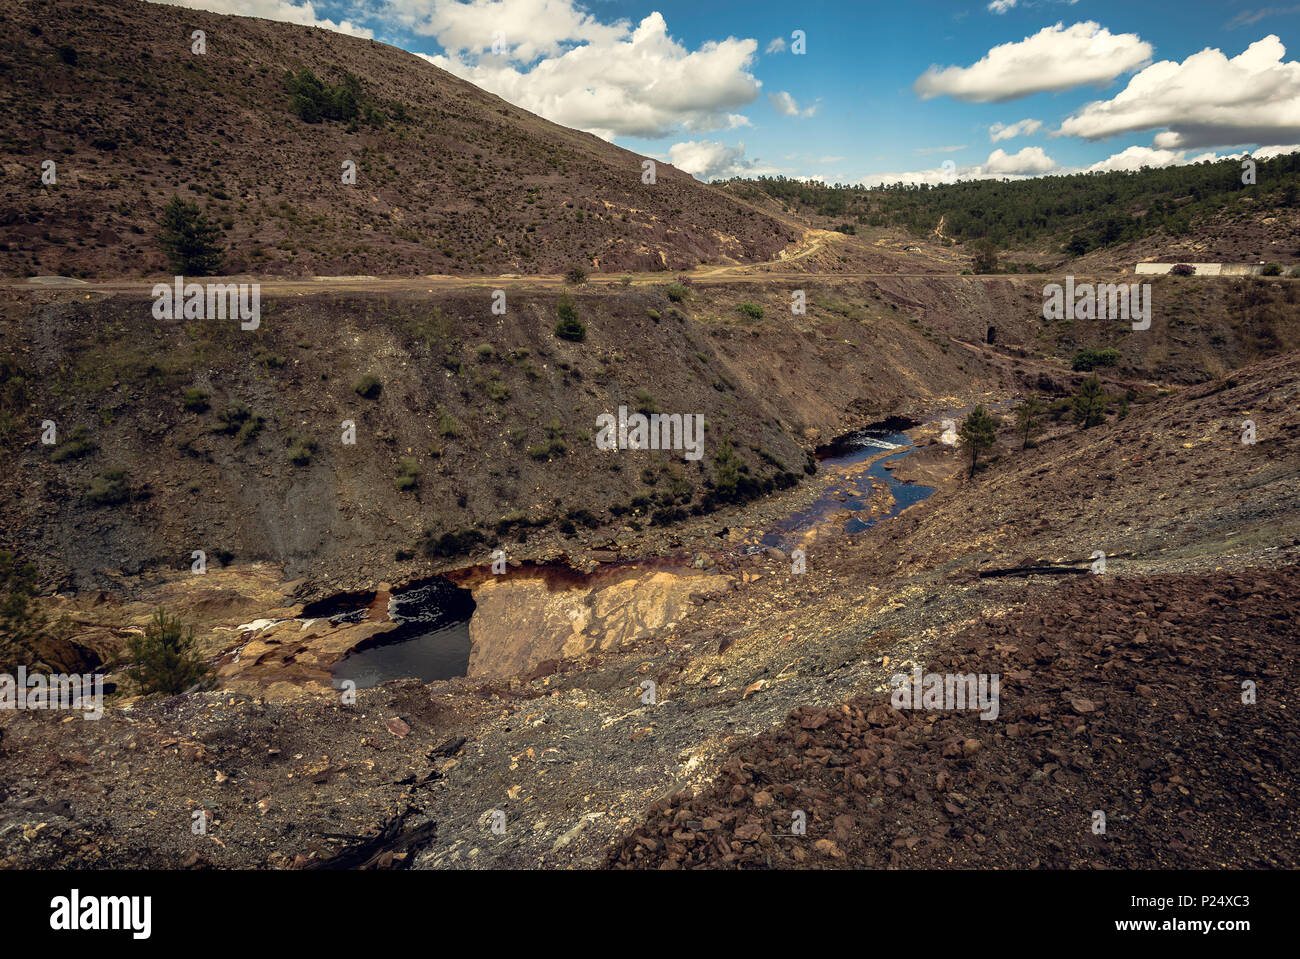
(430, 642)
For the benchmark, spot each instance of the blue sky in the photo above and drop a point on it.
(884, 91)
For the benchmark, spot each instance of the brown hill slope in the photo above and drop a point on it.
(451, 180)
(497, 414)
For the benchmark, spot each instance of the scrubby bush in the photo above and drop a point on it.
(676, 292)
(1085, 361)
(451, 544)
(448, 425)
(751, 310)
(22, 624)
(109, 488)
(301, 451)
(196, 400)
(1182, 269)
(75, 446)
(577, 275)
(368, 387)
(408, 474)
(1272, 269)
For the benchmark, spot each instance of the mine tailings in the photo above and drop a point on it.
(470, 622)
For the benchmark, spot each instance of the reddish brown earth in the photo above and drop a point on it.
(1120, 695)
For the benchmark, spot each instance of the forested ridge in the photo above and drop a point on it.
(1072, 214)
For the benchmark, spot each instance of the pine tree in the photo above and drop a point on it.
(568, 326)
(978, 432)
(189, 239)
(164, 658)
(1029, 416)
(986, 257)
(1090, 403)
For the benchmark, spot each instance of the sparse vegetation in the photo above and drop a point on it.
(196, 400)
(76, 445)
(448, 426)
(22, 625)
(751, 310)
(301, 451)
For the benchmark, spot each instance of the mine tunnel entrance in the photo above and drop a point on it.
(991, 335)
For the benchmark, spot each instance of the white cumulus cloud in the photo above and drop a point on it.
(1136, 157)
(785, 104)
(709, 160)
(1030, 160)
(1056, 58)
(611, 80)
(1009, 131)
(1207, 100)
(285, 11)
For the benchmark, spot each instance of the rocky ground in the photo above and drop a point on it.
(1113, 684)
(1121, 696)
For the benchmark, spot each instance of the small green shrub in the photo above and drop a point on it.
(301, 451)
(448, 425)
(77, 445)
(1086, 361)
(751, 310)
(196, 400)
(645, 402)
(408, 474)
(109, 488)
(368, 387)
(676, 292)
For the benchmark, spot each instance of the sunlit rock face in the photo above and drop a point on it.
(522, 621)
